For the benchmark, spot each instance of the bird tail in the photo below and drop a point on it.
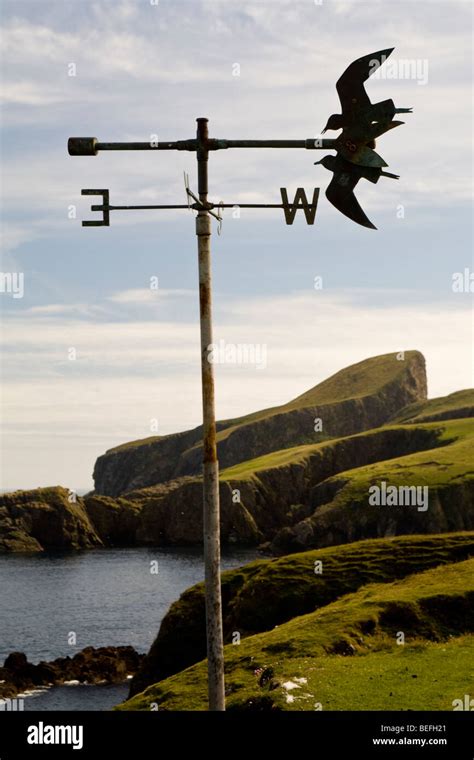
(404, 110)
(387, 174)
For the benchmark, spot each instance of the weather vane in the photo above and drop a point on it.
(361, 123)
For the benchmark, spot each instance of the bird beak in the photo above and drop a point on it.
(317, 162)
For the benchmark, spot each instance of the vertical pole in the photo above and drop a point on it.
(215, 646)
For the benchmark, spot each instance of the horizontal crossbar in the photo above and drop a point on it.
(90, 146)
(196, 206)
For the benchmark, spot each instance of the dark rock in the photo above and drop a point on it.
(342, 647)
(16, 662)
(266, 677)
(92, 666)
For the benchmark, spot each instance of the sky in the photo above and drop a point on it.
(93, 354)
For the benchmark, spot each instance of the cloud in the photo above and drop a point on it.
(123, 61)
(28, 94)
(64, 309)
(148, 295)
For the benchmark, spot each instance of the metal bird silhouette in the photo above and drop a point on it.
(340, 191)
(357, 110)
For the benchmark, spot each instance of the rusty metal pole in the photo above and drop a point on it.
(211, 515)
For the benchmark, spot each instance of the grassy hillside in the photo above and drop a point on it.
(356, 381)
(371, 439)
(321, 628)
(346, 656)
(357, 398)
(456, 405)
(442, 434)
(439, 466)
(267, 593)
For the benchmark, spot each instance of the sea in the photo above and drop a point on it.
(54, 604)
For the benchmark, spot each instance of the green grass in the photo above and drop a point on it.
(385, 680)
(430, 608)
(135, 444)
(358, 380)
(381, 680)
(251, 467)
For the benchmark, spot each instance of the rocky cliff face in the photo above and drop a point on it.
(44, 518)
(270, 499)
(116, 521)
(359, 397)
(450, 509)
(317, 496)
(162, 492)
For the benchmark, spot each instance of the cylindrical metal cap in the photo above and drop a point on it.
(82, 146)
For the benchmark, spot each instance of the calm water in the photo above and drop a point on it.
(82, 697)
(105, 597)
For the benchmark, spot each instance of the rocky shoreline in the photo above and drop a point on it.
(89, 666)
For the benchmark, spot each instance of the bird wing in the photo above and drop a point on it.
(340, 192)
(383, 111)
(363, 155)
(350, 86)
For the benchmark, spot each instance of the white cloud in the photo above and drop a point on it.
(55, 309)
(141, 70)
(28, 94)
(148, 295)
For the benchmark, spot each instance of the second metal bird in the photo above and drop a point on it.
(340, 191)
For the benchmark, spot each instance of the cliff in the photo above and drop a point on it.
(313, 495)
(341, 510)
(45, 518)
(273, 491)
(310, 495)
(359, 397)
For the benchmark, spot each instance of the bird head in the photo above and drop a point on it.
(328, 162)
(334, 122)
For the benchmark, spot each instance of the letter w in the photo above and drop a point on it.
(300, 202)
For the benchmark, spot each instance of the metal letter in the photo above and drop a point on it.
(105, 221)
(300, 203)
